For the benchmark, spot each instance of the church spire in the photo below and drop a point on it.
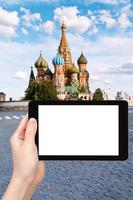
(64, 48)
(63, 42)
(32, 77)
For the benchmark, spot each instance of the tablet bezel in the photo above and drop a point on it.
(123, 129)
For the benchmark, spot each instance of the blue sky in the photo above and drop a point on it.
(103, 29)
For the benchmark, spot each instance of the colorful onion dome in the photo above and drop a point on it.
(74, 69)
(41, 62)
(82, 59)
(58, 60)
(48, 72)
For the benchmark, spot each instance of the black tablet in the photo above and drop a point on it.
(81, 130)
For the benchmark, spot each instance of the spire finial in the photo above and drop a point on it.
(81, 51)
(63, 26)
(40, 52)
(31, 68)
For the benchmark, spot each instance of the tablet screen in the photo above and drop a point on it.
(91, 130)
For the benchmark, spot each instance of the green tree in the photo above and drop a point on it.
(98, 95)
(44, 90)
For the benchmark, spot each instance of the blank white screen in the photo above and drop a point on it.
(78, 130)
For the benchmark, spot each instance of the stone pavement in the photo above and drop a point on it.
(74, 180)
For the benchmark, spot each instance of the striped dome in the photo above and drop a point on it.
(41, 62)
(58, 60)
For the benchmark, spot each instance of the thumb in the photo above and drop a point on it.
(31, 131)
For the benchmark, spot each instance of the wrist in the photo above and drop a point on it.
(21, 180)
(25, 187)
(15, 180)
(17, 189)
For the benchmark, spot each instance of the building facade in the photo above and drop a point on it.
(124, 96)
(2, 96)
(71, 81)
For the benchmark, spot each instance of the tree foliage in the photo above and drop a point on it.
(31, 91)
(98, 95)
(44, 90)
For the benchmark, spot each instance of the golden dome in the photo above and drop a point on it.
(41, 62)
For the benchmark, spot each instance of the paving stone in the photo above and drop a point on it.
(72, 180)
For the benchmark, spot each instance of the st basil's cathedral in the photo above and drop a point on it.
(70, 80)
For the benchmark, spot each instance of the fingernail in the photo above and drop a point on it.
(32, 121)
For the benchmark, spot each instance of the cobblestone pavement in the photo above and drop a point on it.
(74, 180)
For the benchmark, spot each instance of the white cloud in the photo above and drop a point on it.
(7, 31)
(94, 21)
(108, 82)
(105, 17)
(10, 1)
(124, 69)
(25, 1)
(20, 75)
(120, 19)
(30, 19)
(49, 27)
(93, 30)
(9, 20)
(123, 21)
(72, 18)
(127, 10)
(24, 31)
(90, 13)
(94, 77)
(114, 2)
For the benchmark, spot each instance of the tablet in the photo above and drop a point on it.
(81, 130)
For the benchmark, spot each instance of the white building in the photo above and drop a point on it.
(2, 96)
(124, 96)
(105, 95)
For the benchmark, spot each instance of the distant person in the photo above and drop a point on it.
(28, 171)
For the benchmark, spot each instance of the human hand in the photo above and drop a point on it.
(24, 150)
(28, 171)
